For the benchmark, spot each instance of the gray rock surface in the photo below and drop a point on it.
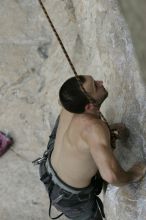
(134, 12)
(33, 67)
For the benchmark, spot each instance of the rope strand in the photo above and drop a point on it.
(69, 60)
(65, 53)
(91, 100)
(59, 39)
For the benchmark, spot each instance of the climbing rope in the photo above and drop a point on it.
(71, 64)
(57, 35)
(65, 53)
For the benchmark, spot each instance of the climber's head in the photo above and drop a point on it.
(73, 98)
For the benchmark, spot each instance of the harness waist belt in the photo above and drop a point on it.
(56, 179)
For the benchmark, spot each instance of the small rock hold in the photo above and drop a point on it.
(43, 50)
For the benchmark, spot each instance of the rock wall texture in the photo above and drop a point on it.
(33, 67)
(134, 12)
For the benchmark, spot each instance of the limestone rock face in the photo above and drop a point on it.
(32, 69)
(135, 17)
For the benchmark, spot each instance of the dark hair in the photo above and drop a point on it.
(71, 96)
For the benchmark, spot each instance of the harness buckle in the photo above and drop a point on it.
(38, 160)
(84, 197)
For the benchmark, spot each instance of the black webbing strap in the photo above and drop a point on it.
(53, 134)
(50, 208)
(46, 178)
(100, 205)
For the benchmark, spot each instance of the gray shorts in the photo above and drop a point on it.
(74, 203)
(75, 209)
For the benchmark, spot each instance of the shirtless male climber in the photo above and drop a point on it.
(80, 154)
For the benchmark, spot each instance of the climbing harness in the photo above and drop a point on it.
(45, 177)
(48, 177)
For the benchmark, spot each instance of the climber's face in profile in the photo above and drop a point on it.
(95, 89)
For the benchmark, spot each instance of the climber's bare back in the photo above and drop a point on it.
(71, 157)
